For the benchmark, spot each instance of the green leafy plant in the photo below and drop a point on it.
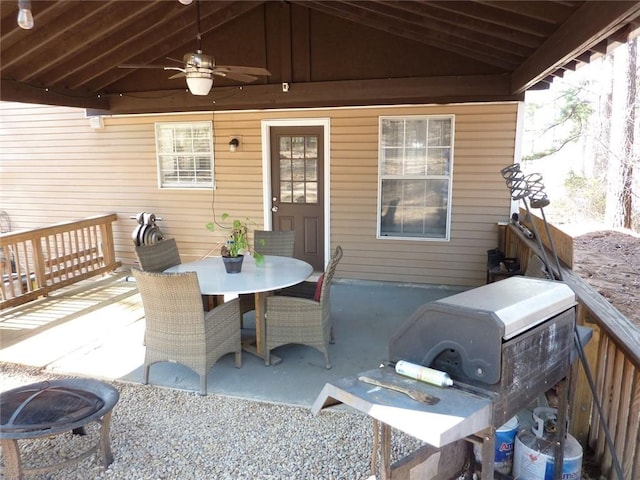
(238, 241)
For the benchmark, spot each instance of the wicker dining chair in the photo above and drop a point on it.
(179, 330)
(302, 320)
(268, 242)
(162, 255)
(158, 256)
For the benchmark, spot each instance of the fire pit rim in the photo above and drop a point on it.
(107, 393)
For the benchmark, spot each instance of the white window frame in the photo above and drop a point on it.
(448, 177)
(190, 181)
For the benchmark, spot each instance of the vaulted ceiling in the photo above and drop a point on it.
(330, 53)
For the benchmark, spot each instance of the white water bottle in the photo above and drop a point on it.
(424, 374)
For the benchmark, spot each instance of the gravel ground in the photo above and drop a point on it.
(159, 433)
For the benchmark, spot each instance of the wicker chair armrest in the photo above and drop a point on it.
(228, 310)
(282, 302)
(223, 322)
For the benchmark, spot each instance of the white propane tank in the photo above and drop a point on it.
(534, 450)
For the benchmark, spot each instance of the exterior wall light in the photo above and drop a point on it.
(233, 144)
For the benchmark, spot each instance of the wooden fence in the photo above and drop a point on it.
(613, 356)
(36, 262)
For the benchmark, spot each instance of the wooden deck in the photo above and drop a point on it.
(100, 313)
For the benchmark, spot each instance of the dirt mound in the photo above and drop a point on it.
(609, 261)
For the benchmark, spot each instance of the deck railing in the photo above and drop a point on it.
(38, 261)
(613, 356)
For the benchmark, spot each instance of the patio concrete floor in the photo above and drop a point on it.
(96, 330)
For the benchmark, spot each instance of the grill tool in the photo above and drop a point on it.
(414, 394)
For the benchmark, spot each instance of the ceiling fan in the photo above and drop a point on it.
(200, 69)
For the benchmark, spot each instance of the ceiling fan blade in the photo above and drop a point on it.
(139, 65)
(258, 71)
(179, 69)
(241, 77)
(178, 75)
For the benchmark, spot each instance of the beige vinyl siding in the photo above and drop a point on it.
(54, 167)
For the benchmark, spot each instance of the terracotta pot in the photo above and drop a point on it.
(233, 264)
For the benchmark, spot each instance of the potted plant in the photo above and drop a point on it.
(237, 244)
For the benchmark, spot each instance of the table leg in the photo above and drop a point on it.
(259, 349)
(260, 304)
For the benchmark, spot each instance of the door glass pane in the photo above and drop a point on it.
(285, 169)
(311, 147)
(297, 147)
(312, 192)
(285, 147)
(311, 172)
(298, 192)
(298, 169)
(286, 195)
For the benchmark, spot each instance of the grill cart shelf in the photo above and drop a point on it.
(503, 344)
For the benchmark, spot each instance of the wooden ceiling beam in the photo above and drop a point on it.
(12, 91)
(546, 11)
(286, 48)
(55, 42)
(105, 38)
(592, 23)
(428, 12)
(28, 40)
(494, 16)
(388, 13)
(153, 43)
(439, 40)
(584, 58)
(325, 94)
(112, 46)
(158, 44)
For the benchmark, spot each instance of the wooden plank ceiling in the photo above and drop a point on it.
(331, 53)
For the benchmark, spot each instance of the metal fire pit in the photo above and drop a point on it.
(52, 408)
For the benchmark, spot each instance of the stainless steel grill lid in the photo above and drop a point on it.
(463, 334)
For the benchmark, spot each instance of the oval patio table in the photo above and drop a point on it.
(277, 272)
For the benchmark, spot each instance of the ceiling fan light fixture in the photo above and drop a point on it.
(199, 85)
